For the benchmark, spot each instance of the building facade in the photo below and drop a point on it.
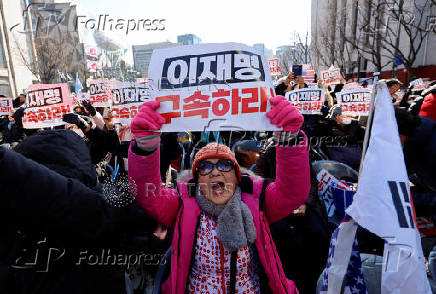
(142, 55)
(261, 49)
(188, 39)
(15, 77)
(396, 38)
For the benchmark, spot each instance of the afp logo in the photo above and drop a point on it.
(40, 259)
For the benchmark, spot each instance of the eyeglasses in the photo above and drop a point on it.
(206, 167)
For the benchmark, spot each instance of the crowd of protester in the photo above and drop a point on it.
(74, 191)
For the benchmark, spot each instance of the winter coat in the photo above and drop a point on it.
(179, 209)
(54, 203)
(420, 153)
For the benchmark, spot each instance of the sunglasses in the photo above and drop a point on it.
(206, 167)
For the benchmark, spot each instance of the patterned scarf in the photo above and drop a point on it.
(235, 222)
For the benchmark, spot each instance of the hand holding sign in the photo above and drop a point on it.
(145, 122)
(284, 114)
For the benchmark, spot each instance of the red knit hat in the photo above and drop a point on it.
(215, 150)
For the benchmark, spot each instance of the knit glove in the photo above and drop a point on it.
(146, 125)
(89, 107)
(284, 115)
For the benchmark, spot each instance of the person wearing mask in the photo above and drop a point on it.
(302, 238)
(345, 137)
(221, 240)
(99, 142)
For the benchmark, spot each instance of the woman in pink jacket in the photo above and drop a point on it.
(222, 242)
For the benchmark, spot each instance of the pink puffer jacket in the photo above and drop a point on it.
(179, 210)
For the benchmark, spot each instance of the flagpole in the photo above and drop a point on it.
(370, 121)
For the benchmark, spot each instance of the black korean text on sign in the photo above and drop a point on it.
(97, 88)
(44, 97)
(217, 68)
(314, 95)
(129, 95)
(356, 97)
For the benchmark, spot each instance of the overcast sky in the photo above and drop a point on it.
(249, 22)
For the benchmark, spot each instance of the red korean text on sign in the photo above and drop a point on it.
(46, 113)
(221, 102)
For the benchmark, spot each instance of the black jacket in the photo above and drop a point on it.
(57, 219)
(11, 132)
(420, 153)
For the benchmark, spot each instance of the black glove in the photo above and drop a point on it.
(89, 107)
(75, 119)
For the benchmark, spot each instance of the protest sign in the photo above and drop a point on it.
(354, 102)
(90, 50)
(399, 95)
(211, 87)
(91, 65)
(45, 105)
(307, 100)
(326, 182)
(274, 66)
(418, 84)
(308, 73)
(126, 99)
(351, 86)
(98, 94)
(79, 98)
(5, 105)
(331, 76)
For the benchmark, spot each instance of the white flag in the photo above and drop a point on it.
(382, 204)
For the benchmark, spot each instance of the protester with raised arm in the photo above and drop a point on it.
(222, 242)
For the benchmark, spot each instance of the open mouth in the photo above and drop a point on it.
(218, 187)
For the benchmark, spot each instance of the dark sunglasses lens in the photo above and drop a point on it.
(205, 168)
(224, 165)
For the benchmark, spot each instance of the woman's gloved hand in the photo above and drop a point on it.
(89, 107)
(284, 115)
(146, 125)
